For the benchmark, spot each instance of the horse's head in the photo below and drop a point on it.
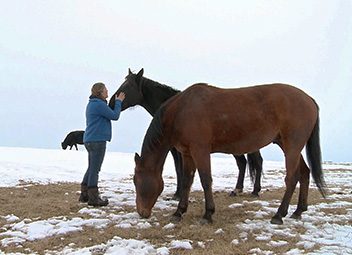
(149, 185)
(63, 145)
(132, 87)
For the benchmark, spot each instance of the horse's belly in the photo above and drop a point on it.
(235, 149)
(242, 145)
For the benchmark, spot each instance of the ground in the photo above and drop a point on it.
(241, 224)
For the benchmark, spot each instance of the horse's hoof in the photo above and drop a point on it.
(233, 194)
(176, 197)
(175, 219)
(296, 216)
(204, 221)
(254, 195)
(238, 191)
(276, 221)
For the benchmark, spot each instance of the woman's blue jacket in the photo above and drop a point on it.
(98, 119)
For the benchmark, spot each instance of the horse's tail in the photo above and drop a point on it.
(314, 157)
(251, 168)
(255, 165)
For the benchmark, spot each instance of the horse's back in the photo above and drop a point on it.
(79, 136)
(74, 137)
(241, 119)
(270, 99)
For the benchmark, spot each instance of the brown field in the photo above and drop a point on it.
(34, 201)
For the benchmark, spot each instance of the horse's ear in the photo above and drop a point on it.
(139, 78)
(129, 71)
(137, 159)
(140, 73)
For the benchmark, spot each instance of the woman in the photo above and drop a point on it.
(97, 133)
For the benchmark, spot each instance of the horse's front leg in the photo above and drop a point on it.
(179, 172)
(186, 183)
(241, 164)
(302, 205)
(291, 179)
(202, 160)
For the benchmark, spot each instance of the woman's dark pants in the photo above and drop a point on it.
(96, 153)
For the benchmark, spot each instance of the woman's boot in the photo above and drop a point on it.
(83, 198)
(94, 199)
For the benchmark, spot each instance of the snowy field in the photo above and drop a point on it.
(18, 165)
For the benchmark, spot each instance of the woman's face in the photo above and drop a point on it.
(105, 92)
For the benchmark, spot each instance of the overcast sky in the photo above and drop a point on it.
(52, 52)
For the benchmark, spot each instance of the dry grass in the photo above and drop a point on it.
(54, 200)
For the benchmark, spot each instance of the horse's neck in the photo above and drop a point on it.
(155, 94)
(155, 144)
(155, 158)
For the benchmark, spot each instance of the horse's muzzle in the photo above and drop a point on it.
(144, 213)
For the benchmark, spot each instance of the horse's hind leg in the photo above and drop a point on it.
(256, 160)
(179, 172)
(241, 164)
(302, 205)
(291, 179)
(186, 183)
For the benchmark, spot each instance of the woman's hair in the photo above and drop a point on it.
(97, 89)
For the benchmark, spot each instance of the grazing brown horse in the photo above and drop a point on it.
(151, 95)
(204, 119)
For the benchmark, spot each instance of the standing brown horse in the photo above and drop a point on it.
(204, 119)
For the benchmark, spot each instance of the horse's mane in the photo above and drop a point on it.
(149, 82)
(154, 132)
